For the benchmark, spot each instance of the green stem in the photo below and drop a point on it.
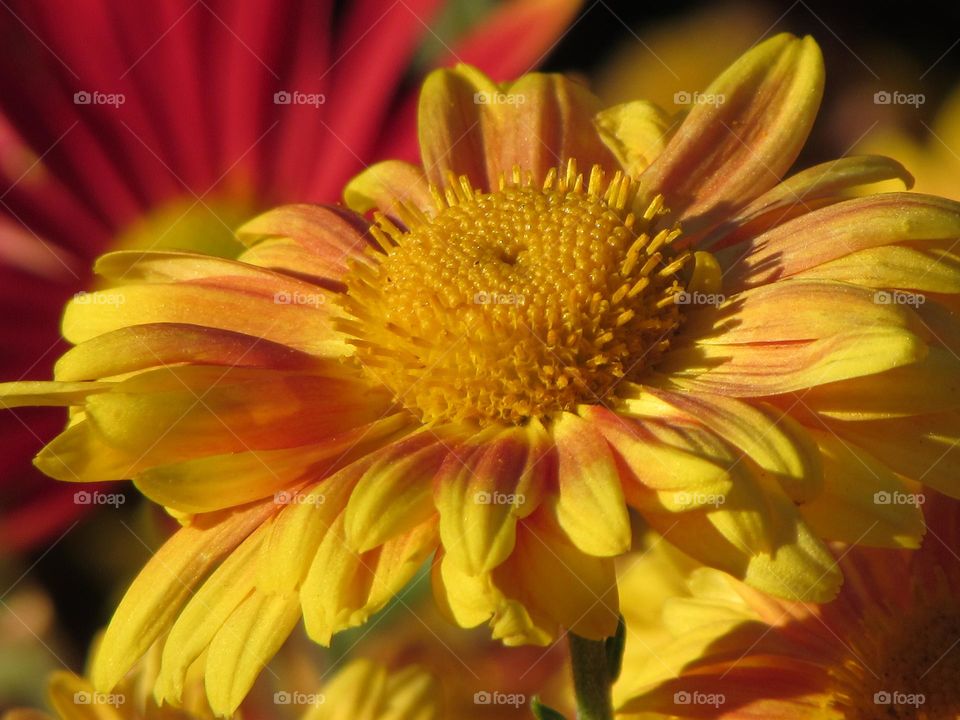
(591, 678)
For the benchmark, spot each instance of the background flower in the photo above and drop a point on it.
(165, 127)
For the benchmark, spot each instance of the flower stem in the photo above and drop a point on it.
(591, 678)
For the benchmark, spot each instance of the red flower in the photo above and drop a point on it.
(148, 124)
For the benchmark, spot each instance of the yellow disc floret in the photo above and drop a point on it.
(516, 303)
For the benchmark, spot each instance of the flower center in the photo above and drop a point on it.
(913, 665)
(516, 303)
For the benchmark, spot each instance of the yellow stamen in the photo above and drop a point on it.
(519, 302)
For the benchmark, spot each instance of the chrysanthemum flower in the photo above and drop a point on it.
(132, 125)
(888, 647)
(361, 690)
(567, 311)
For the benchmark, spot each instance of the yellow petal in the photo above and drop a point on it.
(552, 578)
(81, 454)
(730, 150)
(395, 492)
(929, 385)
(164, 585)
(74, 699)
(803, 569)
(774, 441)
(343, 588)
(386, 185)
(863, 501)
(635, 132)
(259, 310)
(684, 466)
(922, 447)
(921, 267)
(53, 394)
(481, 490)
(247, 641)
(197, 624)
(590, 506)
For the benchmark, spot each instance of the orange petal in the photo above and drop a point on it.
(330, 236)
(802, 191)
(833, 232)
(148, 346)
(727, 152)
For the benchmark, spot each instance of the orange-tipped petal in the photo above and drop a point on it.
(733, 148)
(590, 506)
(483, 487)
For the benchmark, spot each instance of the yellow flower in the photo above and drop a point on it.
(361, 690)
(566, 311)
(886, 647)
